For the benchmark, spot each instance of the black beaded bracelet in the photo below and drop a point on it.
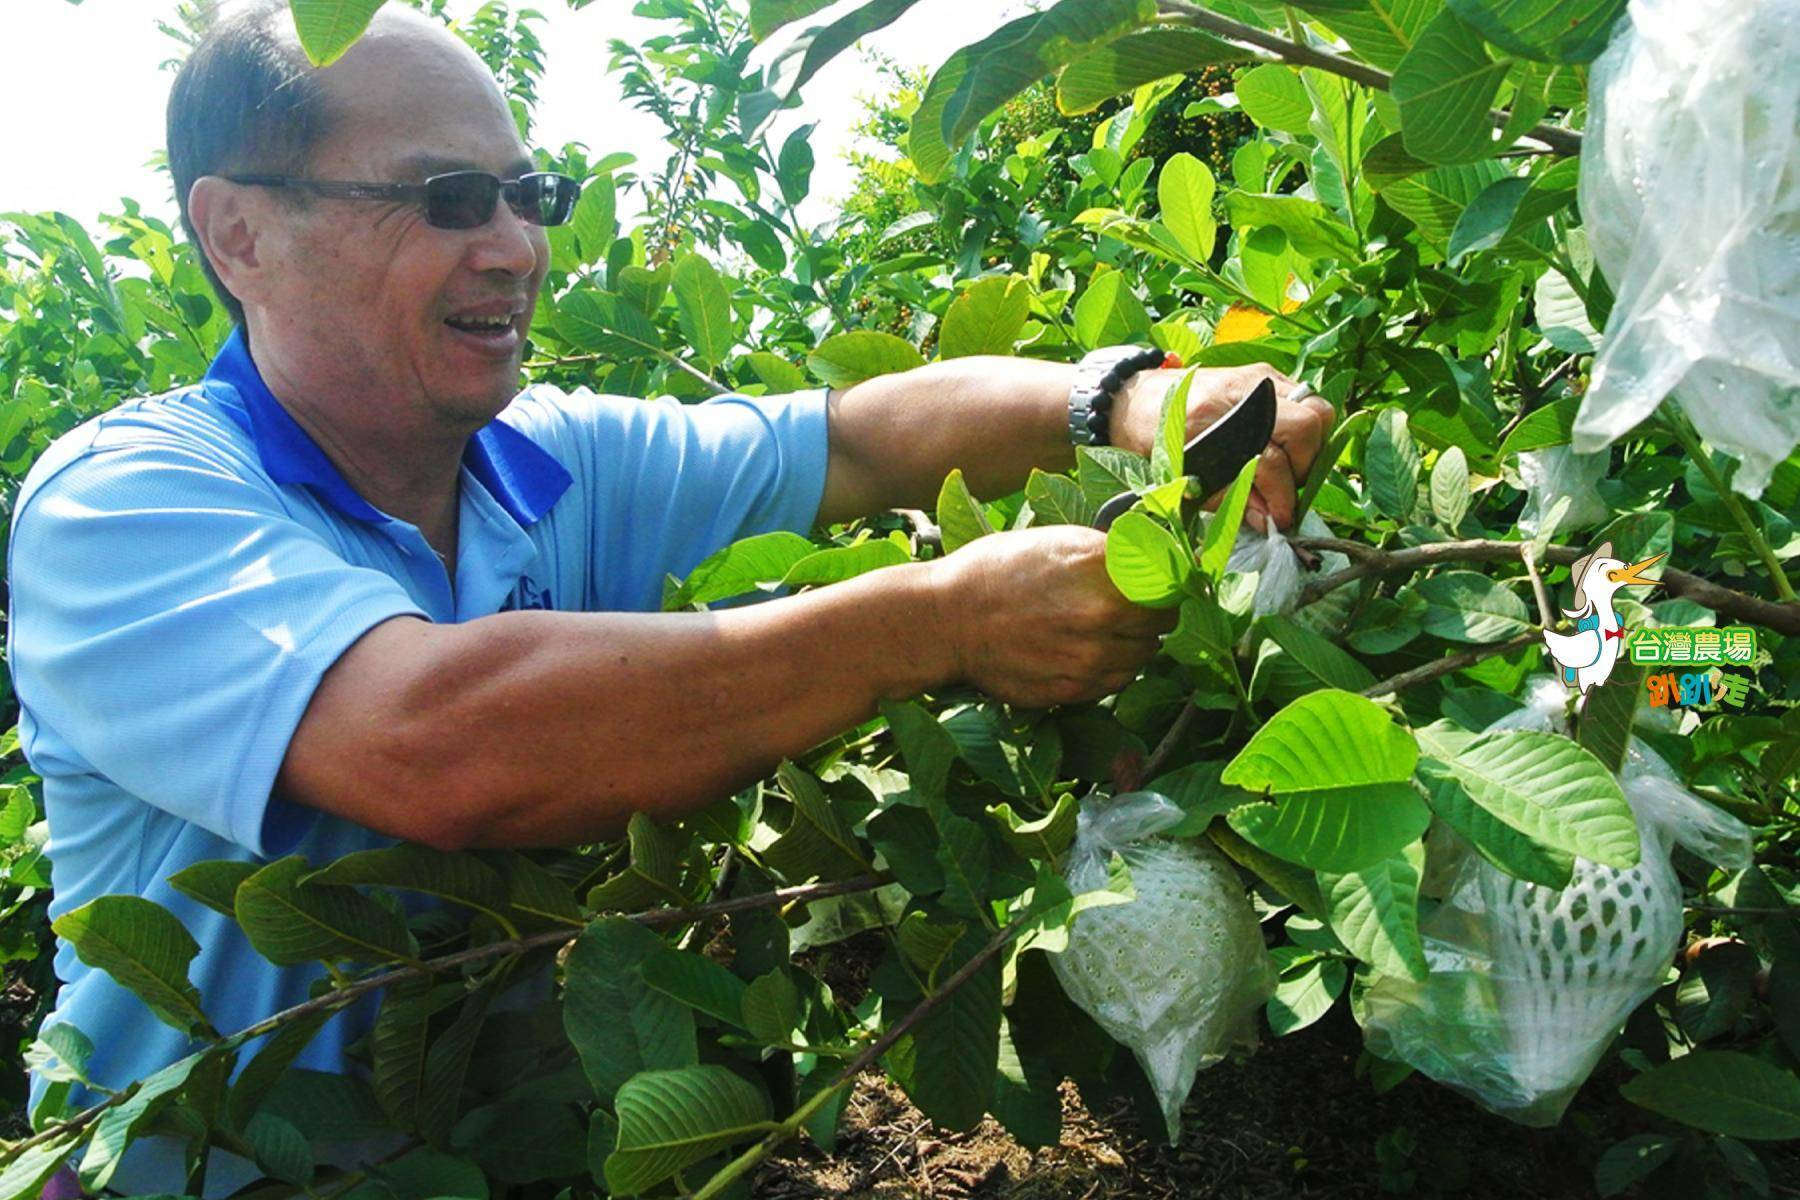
(1099, 377)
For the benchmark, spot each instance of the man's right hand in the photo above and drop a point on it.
(1033, 619)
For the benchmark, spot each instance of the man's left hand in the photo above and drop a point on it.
(1301, 426)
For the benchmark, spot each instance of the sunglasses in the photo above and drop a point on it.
(457, 200)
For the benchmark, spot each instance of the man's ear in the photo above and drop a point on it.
(229, 226)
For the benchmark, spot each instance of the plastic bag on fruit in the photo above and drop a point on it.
(1690, 193)
(1528, 984)
(1178, 974)
(1548, 476)
(1279, 574)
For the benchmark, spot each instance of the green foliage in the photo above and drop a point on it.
(1438, 296)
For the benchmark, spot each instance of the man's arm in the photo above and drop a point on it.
(544, 728)
(895, 437)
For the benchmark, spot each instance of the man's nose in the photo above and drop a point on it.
(508, 243)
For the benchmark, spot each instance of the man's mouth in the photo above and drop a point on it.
(482, 325)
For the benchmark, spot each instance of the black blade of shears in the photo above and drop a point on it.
(1217, 453)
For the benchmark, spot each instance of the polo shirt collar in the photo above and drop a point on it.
(523, 477)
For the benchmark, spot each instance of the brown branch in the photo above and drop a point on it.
(1777, 616)
(1563, 141)
(1546, 614)
(339, 997)
(1443, 666)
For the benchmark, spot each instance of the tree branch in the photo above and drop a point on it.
(340, 997)
(1563, 141)
(1447, 664)
(1779, 617)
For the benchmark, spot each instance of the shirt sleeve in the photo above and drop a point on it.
(668, 484)
(170, 623)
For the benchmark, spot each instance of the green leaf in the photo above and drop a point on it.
(1025, 1093)
(146, 949)
(703, 308)
(986, 318)
(618, 1023)
(1467, 606)
(1202, 636)
(810, 51)
(849, 358)
(696, 981)
(1376, 912)
(838, 563)
(1558, 31)
(1047, 836)
(1166, 452)
(262, 1072)
(1200, 794)
(1227, 519)
(927, 747)
(214, 883)
(1104, 471)
(1511, 213)
(1109, 313)
(776, 373)
(960, 517)
(1445, 86)
(1450, 488)
(1511, 850)
(740, 567)
(594, 220)
(1273, 96)
(290, 922)
(1306, 991)
(1550, 789)
(1145, 562)
(652, 875)
(1391, 465)
(605, 324)
(925, 944)
(1379, 31)
(1310, 227)
(766, 16)
(60, 1053)
(532, 891)
(327, 28)
(1184, 195)
(962, 852)
(1722, 1091)
(979, 78)
(771, 1007)
(281, 1150)
(24, 1177)
(122, 1123)
(1057, 500)
(1324, 739)
(1562, 315)
(1626, 1162)
(1335, 829)
(1136, 59)
(956, 1049)
(671, 1119)
(1434, 200)
(462, 878)
(1317, 655)
(523, 1141)
(1604, 729)
(819, 842)
(428, 1172)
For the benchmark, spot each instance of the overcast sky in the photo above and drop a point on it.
(88, 93)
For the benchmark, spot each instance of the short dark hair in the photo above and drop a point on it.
(246, 100)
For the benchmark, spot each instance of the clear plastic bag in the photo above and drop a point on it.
(1177, 974)
(1690, 193)
(1279, 575)
(1549, 475)
(1527, 983)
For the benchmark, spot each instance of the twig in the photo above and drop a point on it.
(1443, 666)
(1563, 141)
(340, 997)
(1779, 617)
(747, 1161)
(1546, 617)
(1533, 397)
(1737, 910)
(924, 528)
(674, 360)
(1183, 721)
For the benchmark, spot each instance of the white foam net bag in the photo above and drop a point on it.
(1690, 193)
(1528, 984)
(1178, 974)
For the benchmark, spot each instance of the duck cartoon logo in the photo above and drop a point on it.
(1586, 657)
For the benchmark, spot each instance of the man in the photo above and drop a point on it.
(355, 588)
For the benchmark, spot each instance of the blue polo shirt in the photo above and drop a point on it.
(185, 567)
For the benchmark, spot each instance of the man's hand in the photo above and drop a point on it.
(1033, 618)
(1300, 429)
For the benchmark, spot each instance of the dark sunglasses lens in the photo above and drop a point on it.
(462, 200)
(546, 198)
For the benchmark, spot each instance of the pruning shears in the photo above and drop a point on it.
(1216, 454)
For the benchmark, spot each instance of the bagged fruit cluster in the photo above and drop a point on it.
(1177, 974)
(1528, 984)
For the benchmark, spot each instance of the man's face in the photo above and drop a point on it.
(373, 301)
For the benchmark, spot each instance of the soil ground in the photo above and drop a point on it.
(1290, 1121)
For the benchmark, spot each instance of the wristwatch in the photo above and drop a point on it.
(1099, 376)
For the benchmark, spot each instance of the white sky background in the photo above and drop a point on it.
(91, 94)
